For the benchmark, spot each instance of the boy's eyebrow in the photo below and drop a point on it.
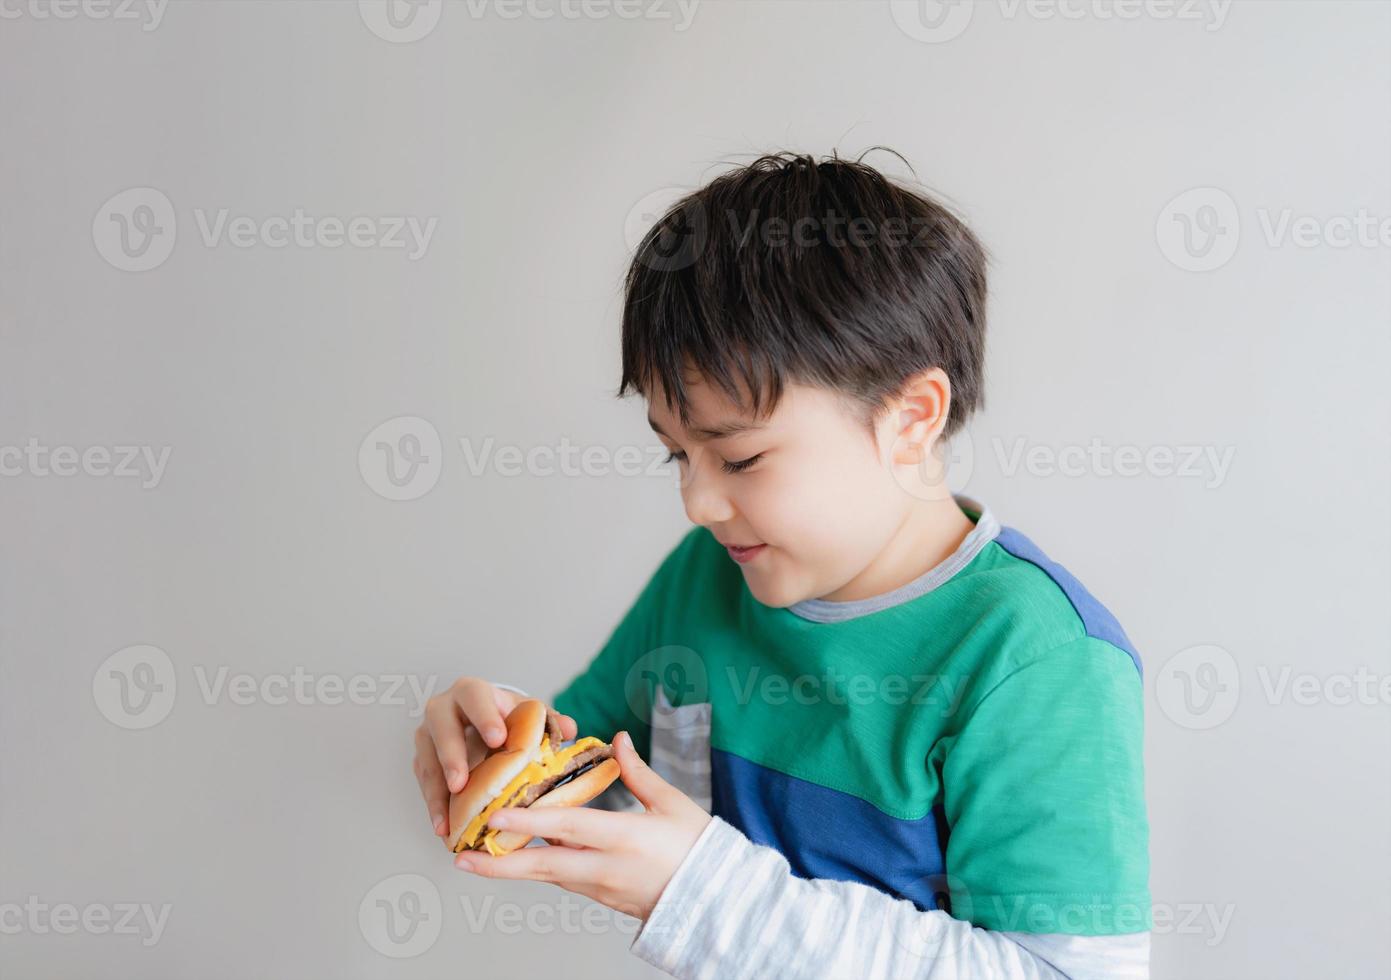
(719, 431)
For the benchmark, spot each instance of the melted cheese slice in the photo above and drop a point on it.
(550, 763)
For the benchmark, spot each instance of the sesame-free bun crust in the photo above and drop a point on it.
(526, 723)
(576, 792)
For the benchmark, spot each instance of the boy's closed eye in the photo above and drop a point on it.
(729, 466)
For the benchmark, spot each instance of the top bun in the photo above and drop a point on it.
(526, 724)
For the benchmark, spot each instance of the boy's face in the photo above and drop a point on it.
(808, 483)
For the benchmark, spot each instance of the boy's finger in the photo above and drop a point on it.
(642, 781)
(571, 825)
(446, 731)
(432, 786)
(480, 709)
(569, 727)
(553, 864)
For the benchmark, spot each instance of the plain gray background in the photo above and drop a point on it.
(276, 833)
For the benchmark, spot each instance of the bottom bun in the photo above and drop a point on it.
(575, 792)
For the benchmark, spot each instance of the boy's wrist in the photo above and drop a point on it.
(680, 914)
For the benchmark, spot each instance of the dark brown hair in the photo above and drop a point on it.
(788, 270)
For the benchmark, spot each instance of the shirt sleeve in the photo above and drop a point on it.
(1043, 793)
(734, 910)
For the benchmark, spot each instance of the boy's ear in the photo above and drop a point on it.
(920, 415)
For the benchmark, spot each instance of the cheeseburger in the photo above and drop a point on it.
(529, 769)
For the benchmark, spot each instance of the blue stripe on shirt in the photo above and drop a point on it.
(826, 833)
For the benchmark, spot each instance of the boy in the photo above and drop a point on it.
(888, 736)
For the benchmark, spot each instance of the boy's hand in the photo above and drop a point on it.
(623, 860)
(460, 726)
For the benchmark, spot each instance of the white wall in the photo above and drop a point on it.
(262, 549)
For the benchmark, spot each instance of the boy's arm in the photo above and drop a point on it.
(734, 910)
(1046, 857)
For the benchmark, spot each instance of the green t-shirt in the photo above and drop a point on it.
(971, 741)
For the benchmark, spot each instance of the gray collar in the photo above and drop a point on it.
(825, 611)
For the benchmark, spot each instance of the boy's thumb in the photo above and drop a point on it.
(642, 782)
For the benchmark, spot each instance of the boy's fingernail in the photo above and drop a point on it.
(496, 734)
(463, 864)
(438, 823)
(499, 819)
(452, 777)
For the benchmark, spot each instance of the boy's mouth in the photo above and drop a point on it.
(742, 555)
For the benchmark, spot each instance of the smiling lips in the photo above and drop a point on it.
(742, 555)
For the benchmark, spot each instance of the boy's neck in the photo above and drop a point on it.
(928, 536)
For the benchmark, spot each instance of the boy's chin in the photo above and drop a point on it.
(770, 592)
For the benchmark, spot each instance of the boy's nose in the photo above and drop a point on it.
(705, 502)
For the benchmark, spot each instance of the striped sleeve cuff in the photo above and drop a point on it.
(683, 931)
(734, 911)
